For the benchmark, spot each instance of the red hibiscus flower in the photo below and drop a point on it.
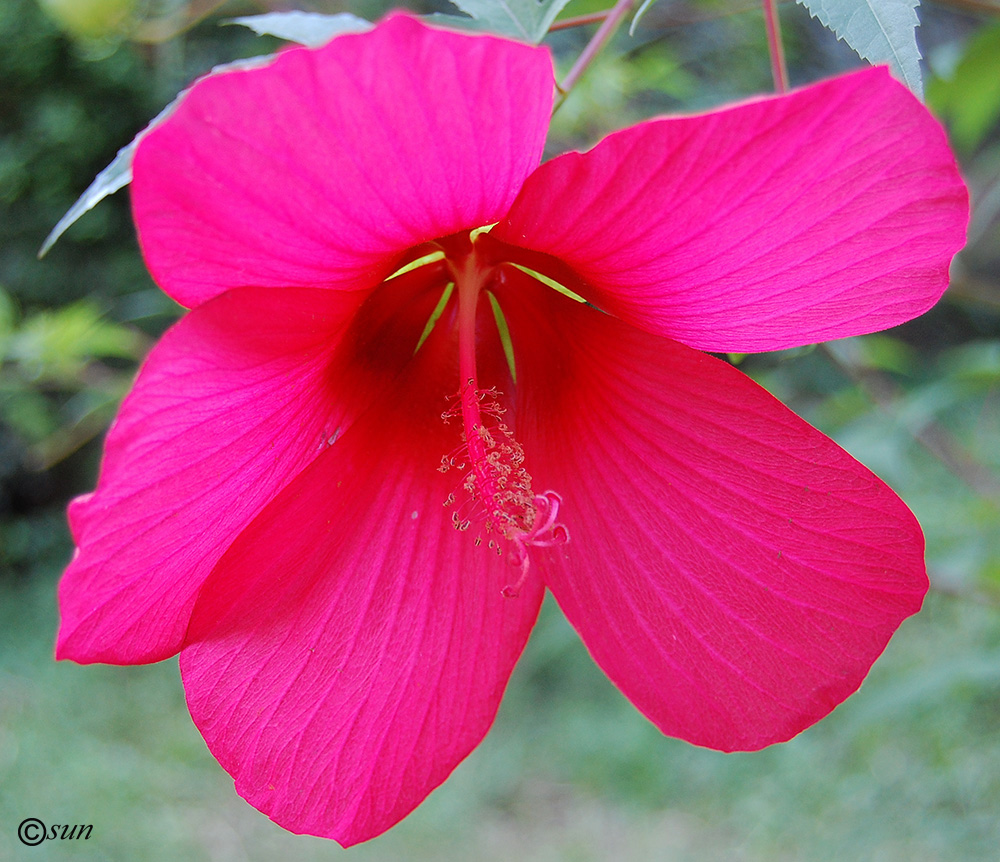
(375, 356)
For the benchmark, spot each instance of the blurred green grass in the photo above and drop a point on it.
(908, 769)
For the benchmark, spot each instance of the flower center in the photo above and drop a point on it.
(498, 485)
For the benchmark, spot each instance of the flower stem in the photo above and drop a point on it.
(778, 68)
(607, 29)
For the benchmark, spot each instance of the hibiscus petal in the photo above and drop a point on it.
(352, 646)
(234, 401)
(291, 174)
(832, 211)
(733, 571)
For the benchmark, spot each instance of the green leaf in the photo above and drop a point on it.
(528, 20)
(118, 174)
(975, 361)
(883, 353)
(881, 31)
(970, 97)
(27, 412)
(8, 318)
(307, 28)
(55, 345)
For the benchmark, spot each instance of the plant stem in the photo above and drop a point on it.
(614, 17)
(775, 46)
(579, 21)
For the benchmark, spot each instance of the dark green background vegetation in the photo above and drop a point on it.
(908, 769)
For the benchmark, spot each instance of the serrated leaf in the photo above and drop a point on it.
(307, 28)
(461, 22)
(115, 176)
(880, 31)
(528, 20)
(118, 174)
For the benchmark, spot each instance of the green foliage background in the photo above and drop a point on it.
(908, 769)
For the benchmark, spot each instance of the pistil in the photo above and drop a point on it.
(496, 481)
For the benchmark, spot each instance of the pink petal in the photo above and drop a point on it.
(731, 569)
(352, 646)
(323, 167)
(235, 400)
(831, 211)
